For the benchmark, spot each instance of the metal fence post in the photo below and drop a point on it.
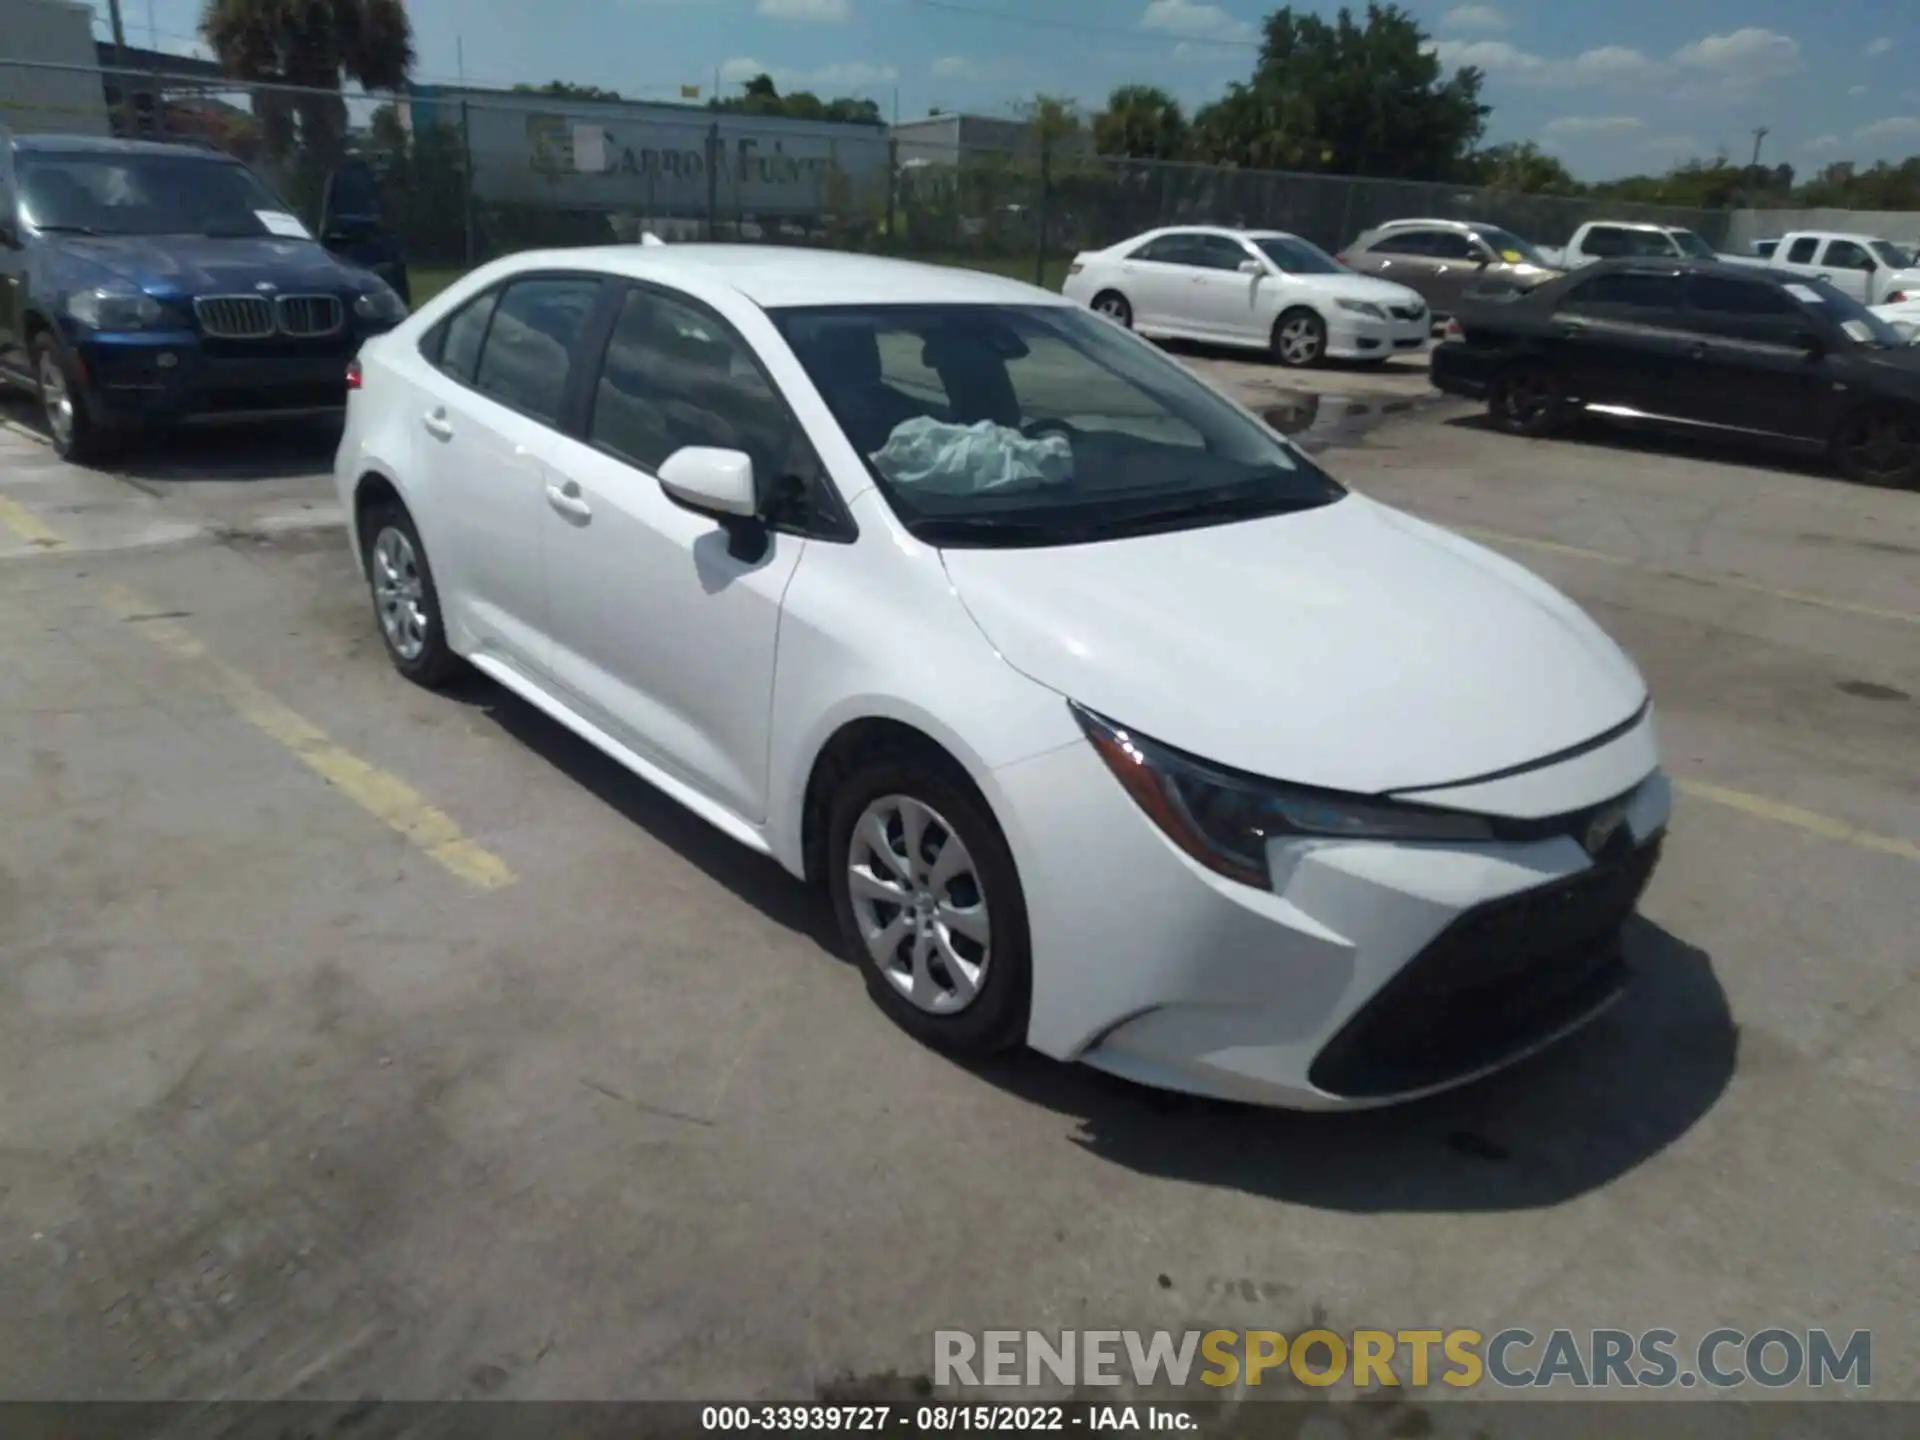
(1046, 197)
(466, 186)
(713, 179)
(893, 175)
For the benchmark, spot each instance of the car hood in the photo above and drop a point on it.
(1350, 647)
(1348, 286)
(205, 265)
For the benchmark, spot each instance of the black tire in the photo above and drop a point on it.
(1527, 399)
(434, 663)
(78, 437)
(1113, 305)
(1879, 445)
(996, 1017)
(1299, 338)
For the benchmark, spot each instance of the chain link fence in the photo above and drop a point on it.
(465, 175)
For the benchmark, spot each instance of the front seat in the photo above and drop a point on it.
(844, 360)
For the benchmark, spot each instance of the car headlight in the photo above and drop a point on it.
(1362, 307)
(1224, 820)
(108, 307)
(381, 303)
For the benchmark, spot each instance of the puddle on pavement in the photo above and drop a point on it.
(1318, 421)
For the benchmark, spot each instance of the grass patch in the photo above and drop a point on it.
(429, 280)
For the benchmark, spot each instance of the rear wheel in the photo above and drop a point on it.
(1113, 305)
(1526, 399)
(1299, 338)
(1880, 445)
(405, 600)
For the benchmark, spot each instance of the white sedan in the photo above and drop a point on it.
(1261, 289)
(1112, 723)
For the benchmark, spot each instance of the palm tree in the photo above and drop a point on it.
(1141, 122)
(310, 44)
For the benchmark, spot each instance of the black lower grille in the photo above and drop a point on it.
(1499, 979)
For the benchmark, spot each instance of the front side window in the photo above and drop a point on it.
(132, 194)
(1692, 246)
(1217, 252)
(1717, 295)
(996, 425)
(1452, 245)
(1166, 250)
(1511, 248)
(1847, 255)
(524, 361)
(1295, 256)
(676, 374)
(1892, 256)
(1626, 290)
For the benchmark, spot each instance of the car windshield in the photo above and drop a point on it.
(1511, 248)
(134, 194)
(1692, 245)
(988, 425)
(1892, 255)
(1296, 256)
(1858, 323)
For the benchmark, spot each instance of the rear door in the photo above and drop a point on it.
(1457, 261)
(1756, 373)
(1156, 277)
(1619, 339)
(1406, 257)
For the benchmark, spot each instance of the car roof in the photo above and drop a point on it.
(1230, 232)
(105, 145)
(777, 276)
(1447, 224)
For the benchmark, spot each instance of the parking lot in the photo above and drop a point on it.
(362, 1041)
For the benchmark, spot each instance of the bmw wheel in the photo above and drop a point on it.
(1526, 399)
(929, 903)
(76, 435)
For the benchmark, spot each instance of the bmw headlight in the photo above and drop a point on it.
(381, 303)
(111, 307)
(1363, 307)
(1224, 820)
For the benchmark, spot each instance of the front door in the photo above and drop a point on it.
(1847, 265)
(1621, 340)
(1757, 373)
(664, 628)
(508, 352)
(1225, 302)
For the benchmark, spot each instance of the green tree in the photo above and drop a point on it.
(562, 90)
(1053, 119)
(760, 96)
(1141, 122)
(1348, 97)
(1521, 166)
(313, 44)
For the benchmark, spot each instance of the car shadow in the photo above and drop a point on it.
(267, 450)
(1557, 1126)
(1632, 438)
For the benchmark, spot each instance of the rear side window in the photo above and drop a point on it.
(459, 349)
(1715, 294)
(1802, 251)
(1626, 289)
(1167, 250)
(1405, 242)
(523, 364)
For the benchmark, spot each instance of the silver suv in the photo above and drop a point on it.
(1441, 258)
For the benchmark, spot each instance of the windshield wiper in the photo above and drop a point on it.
(995, 530)
(1200, 510)
(66, 230)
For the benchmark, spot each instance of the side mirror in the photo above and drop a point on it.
(711, 481)
(1251, 267)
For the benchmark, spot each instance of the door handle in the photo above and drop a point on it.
(437, 424)
(569, 502)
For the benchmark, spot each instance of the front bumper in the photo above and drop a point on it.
(1460, 369)
(1369, 973)
(174, 377)
(1361, 337)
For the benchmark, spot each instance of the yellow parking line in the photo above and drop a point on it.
(1814, 824)
(1732, 582)
(386, 797)
(29, 526)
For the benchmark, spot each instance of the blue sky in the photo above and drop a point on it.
(1613, 87)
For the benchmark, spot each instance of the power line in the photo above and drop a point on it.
(1123, 32)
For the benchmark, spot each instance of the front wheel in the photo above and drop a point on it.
(929, 903)
(64, 409)
(1526, 399)
(1880, 445)
(1299, 338)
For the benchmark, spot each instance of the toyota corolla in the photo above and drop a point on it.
(1112, 723)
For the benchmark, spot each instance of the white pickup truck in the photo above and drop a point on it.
(1872, 270)
(1629, 240)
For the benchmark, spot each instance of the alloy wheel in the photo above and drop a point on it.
(56, 400)
(399, 594)
(1300, 340)
(919, 904)
(1525, 397)
(1113, 307)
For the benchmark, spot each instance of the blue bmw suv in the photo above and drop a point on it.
(144, 285)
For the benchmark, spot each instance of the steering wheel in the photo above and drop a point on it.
(1034, 429)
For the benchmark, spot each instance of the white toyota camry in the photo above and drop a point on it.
(1112, 723)
(1259, 289)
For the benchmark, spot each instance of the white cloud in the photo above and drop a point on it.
(1821, 143)
(1474, 17)
(1748, 54)
(845, 74)
(1878, 47)
(1593, 125)
(817, 12)
(955, 66)
(1607, 64)
(1894, 127)
(1184, 17)
(1856, 89)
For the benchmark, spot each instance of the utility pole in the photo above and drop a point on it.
(119, 33)
(1760, 133)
